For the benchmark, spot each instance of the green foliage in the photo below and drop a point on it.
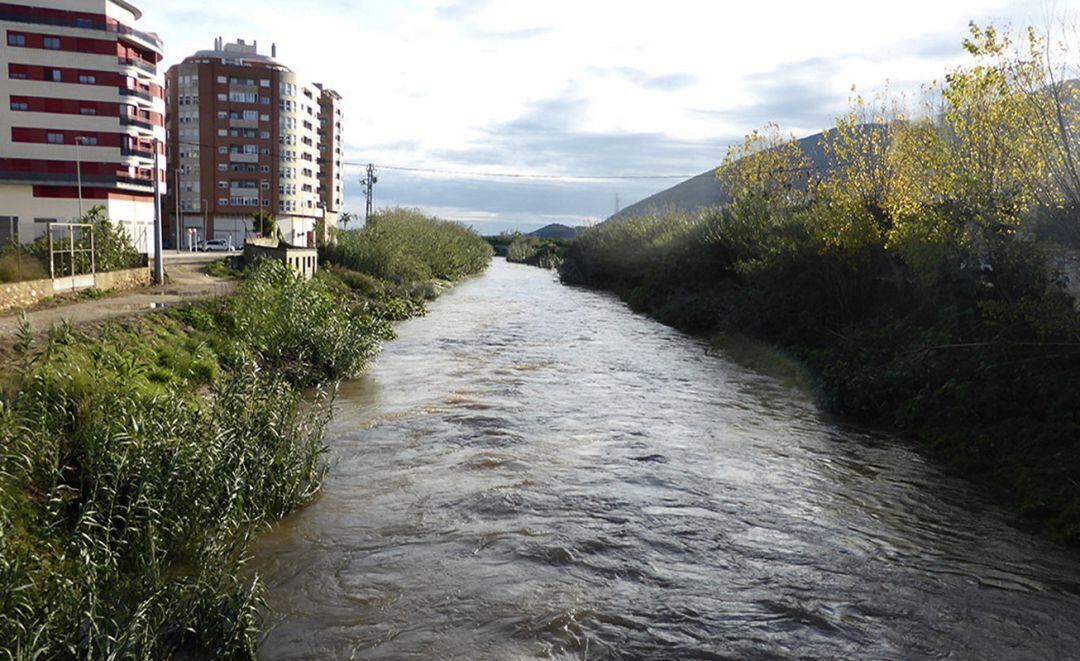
(17, 265)
(275, 315)
(223, 268)
(534, 251)
(903, 278)
(264, 224)
(404, 246)
(113, 249)
(138, 462)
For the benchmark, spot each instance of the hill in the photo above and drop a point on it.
(704, 190)
(556, 231)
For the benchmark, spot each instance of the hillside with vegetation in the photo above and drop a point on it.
(913, 281)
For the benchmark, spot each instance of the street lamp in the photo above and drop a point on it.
(78, 172)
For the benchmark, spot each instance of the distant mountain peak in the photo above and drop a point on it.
(557, 231)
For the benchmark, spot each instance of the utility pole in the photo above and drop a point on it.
(369, 190)
(159, 266)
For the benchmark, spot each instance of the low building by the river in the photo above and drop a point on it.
(301, 259)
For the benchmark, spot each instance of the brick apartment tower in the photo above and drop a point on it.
(82, 92)
(247, 134)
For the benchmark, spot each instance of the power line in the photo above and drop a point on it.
(277, 155)
(524, 175)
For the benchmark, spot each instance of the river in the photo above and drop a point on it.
(534, 471)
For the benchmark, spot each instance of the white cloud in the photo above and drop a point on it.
(434, 84)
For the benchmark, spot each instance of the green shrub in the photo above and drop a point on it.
(404, 246)
(18, 265)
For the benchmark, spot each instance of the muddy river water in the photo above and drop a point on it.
(533, 471)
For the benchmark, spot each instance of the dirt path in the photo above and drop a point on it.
(187, 280)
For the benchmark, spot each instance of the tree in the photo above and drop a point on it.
(265, 224)
(344, 220)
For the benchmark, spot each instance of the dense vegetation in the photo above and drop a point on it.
(910, 277)
(532, 250)
(113, 251)
(402, 246)
(139, 458)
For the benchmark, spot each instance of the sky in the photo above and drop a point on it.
(579, 88)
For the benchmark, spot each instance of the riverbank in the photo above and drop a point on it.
(142, 455)
(555, 476)
(974, 363)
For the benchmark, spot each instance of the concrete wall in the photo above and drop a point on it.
(304, 261)
(16, 295)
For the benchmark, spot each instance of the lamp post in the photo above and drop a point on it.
(78, 172)
(206, 217)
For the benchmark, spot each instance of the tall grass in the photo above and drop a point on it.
(137, 462)
(405, 246)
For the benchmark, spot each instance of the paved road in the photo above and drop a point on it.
(187, 280)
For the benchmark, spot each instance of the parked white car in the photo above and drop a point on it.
(215, 245)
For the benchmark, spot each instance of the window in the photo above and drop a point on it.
(56, 138)
(223, 201)
(222, 167)
(264, 83)
(264, 168)
(54, 75)
(19, 105)
(16, 39)
(87, 111)
(223, 150)
(87, 79)
(91, 141)
(9, 229)
(222, 79)
(17, 75)
(52, 43)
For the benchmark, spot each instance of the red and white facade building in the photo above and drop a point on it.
(82, 98)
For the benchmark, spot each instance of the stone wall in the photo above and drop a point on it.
(126, 279)
(24, 294)
(14, 295)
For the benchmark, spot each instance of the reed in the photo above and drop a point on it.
(139, 459)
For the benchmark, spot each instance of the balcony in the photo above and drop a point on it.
(139, 94)
(136, 152)
(141, 65)
(26, 16)
(139, 123)
(70, 179)
(128, 181)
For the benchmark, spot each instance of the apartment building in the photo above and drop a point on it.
(82, 102)
(246, 134)
(331, 155)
